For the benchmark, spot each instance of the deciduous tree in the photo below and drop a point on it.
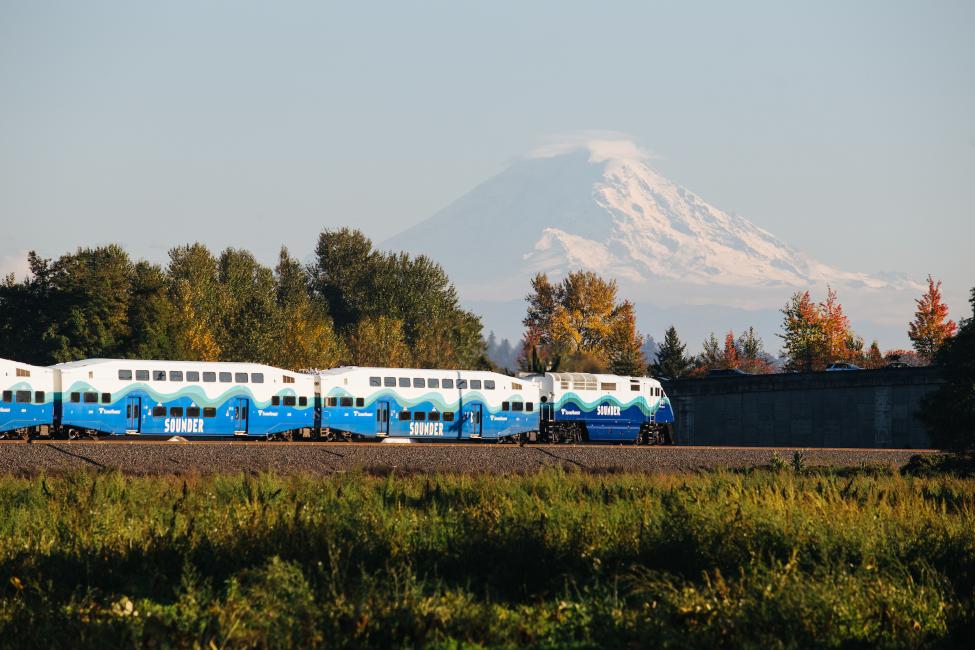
(931, 326)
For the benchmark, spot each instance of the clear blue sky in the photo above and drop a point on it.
(845, 128)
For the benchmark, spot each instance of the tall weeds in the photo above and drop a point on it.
(766, 558)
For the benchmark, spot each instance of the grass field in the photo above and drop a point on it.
(768, 558)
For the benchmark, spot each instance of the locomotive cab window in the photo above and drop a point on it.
(607, 386)
(634, 386)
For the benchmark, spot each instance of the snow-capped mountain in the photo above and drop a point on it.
(597, 204)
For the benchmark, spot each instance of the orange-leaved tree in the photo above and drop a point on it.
(930, 327)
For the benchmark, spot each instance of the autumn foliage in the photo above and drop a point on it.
(931, 326)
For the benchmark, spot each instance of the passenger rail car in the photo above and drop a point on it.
(185, 398)
(27, 399)
(425, 404)
(584, 407)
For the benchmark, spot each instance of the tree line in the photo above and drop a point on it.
(351, 305)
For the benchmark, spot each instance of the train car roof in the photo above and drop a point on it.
(416, 372)
(175, 365)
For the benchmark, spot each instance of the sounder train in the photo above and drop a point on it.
(194, 399)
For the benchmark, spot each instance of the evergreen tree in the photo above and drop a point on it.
(874, 358)
(930, 327)
(751, 353)
(711, 355)
(949, 412)
(671, 362)
(151, 316)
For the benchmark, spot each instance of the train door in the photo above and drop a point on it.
(133, 415)
(472, 420)
(241, 408)
(382, 418)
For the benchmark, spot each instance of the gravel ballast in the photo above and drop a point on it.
(184, 458)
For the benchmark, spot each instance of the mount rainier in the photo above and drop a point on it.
(598, 205)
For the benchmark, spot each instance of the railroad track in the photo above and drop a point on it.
(163, 457)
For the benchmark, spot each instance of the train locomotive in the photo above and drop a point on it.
(195, 399)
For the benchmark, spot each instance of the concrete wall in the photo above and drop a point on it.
(865, 408)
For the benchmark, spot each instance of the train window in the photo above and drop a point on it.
(564, 383)
(257, 377)
(289, 400)
(404, 382)
(517, 406)
(489, 384)
(607, 386)
(505, 406)
(275, 400)
(331, 401)
(529, 406)
(475, 384)
(159, 411)
(375, 381)
(448, 416)
(302, 401)
(142, 375)
(419, 382)
(515, 386)
(75, 397)
(360, 401)
(433, 383)
(91, 398)
(8, 396)
(345, 401)
(434, 416)
(22, 396)
(420, 416)
(240, 377)
(175, 411)
(23, 372)
(635, 386)
(389, 382)
(192, 375)
(226, 377)
(39, 397)
(193, 412)
(175, 375)
(209, 377)
(448, 383)
(159, 375)
(404, 415)
(106, 398)
(125, 375)
(288, 379)
(461, 383)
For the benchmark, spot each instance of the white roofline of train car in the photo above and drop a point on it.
(169, 365)
(416, 372)
(24, 365)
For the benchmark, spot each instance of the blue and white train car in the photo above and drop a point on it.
(26, 399)
(584, 407)
(185, 398)
(426, 404)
